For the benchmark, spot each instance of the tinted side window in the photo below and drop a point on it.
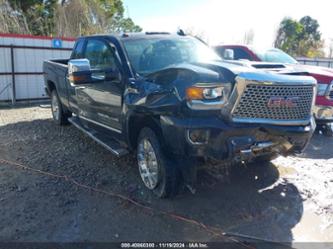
(240, 53)
(100, 55)
(220, 51)
(78, 50)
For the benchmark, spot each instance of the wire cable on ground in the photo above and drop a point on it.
(212, 230)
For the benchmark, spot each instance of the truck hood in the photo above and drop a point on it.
(321, 74)
(227, 71)
(164, 91)
(256, 64)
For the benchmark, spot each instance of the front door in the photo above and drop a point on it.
(100, 101)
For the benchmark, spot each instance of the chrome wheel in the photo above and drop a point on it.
(55, 106)
(148, 164)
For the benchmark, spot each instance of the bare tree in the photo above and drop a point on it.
(11, 21)
(200, 34)
(73, 19)
(70, 18)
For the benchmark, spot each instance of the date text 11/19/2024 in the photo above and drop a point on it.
(164, 245)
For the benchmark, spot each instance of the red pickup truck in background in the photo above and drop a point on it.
(279, 60)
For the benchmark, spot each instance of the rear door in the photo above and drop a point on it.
(100, 101)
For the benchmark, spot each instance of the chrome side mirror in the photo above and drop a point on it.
(78, 65)
(79, 71)
(228, 54)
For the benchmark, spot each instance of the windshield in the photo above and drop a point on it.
(274, 55)
(153, 54)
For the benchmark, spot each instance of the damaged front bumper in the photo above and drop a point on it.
(219, 140)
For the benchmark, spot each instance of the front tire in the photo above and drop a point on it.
(157, 172)
(327, 130)
(58, 114)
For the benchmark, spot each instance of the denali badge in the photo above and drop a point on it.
(288, 102)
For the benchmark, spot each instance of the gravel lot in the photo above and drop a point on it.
(288, 200)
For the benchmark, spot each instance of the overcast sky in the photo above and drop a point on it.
(224, 21)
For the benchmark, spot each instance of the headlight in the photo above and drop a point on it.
(213, 93)
(206, 96)
(321, 89)
(204, 93)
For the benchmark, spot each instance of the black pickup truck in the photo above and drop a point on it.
(174, 101)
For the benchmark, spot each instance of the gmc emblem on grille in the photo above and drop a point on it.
(288, 102)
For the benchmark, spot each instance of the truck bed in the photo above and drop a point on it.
(55, 73)
(59, 61)
(52, 67)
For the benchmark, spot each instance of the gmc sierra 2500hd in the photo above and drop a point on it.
(171, 99)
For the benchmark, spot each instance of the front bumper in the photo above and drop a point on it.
(229, 140)
(323, 114)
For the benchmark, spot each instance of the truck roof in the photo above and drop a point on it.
(136, 35)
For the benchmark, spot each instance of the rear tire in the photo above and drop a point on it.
(58, 114)
(152, 162)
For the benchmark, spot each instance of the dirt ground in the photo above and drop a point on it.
(288, 200)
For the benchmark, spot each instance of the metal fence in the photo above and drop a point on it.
(13, 73)
(21, 64)
(323, 62)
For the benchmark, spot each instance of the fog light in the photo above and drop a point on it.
(198, 136)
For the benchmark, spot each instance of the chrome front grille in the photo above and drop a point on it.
(256, 103)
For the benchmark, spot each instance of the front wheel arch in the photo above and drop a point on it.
(136, 122)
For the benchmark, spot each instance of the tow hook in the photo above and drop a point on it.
(248, 154)
(261, 145)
